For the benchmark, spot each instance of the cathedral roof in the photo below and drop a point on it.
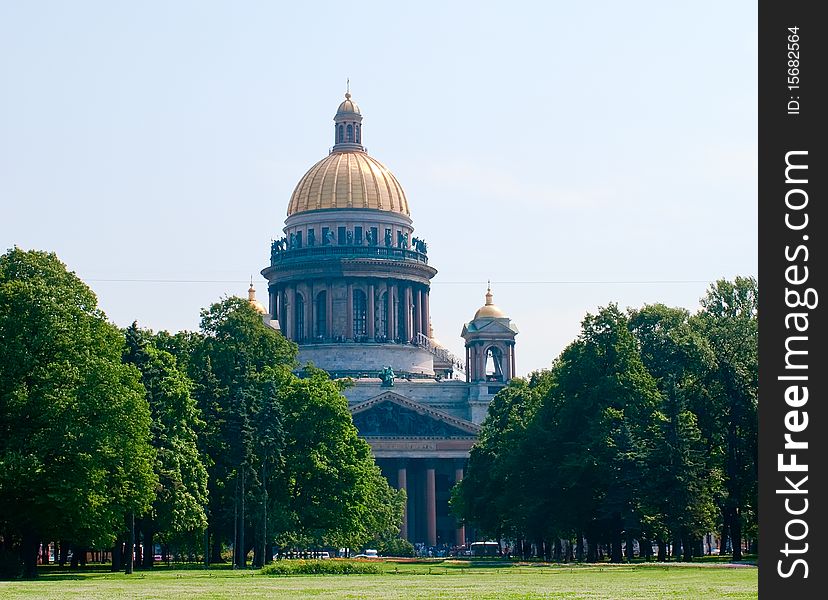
(348, 177)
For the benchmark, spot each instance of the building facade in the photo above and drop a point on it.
(349, 282)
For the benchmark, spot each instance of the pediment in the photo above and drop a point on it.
(393, 415)
(490, 326)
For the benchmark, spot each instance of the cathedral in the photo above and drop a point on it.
(349, 282)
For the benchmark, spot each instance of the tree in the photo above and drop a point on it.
(728, 320)
(683, 480)
(238, 364)
(334, 493)
(177, 515)
(74, 423)
(499, 493)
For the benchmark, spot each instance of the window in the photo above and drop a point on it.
(300, 318)
(358, 141)
(388, 240)
(350, 130)
(298, 239)
(358, 236)
(342, 236)
(341, 134)
(326, 234)
(311, 237)
(321, 314)
(373, 237)
(360, 314)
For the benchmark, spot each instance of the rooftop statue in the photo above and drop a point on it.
(387, 376)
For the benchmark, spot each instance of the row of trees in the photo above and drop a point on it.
(182, 435)
(645, 428)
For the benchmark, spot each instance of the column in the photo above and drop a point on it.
(349, 307)
(426, 314)
(329, 311)
(460, 532)
(468, 364)
(512, 352)
(418, 314)
(431, 506)
(402, 484)
(392, 312)
(309, 309)
(409, 329)
(288, 309)
(371, 317)
(481, 362)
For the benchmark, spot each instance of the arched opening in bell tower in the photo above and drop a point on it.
(494, 364)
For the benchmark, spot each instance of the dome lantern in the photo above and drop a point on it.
(348, 126)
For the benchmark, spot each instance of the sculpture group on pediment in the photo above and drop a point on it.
(389, 419)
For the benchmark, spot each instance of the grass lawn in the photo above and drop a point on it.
(421, 579)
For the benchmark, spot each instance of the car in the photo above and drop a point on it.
(369, 553)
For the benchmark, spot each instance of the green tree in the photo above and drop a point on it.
(334, 493)
(75, 455)
(683, 480)
(728, 415)
(499, 494)
(607, 403)
(238, 364)
(177, 515)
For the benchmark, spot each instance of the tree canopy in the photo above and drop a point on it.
(75, 451)
(643, 429)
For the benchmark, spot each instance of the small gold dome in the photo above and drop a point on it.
(251, 298)
(348, 106)
(349, 179)
(489, 309)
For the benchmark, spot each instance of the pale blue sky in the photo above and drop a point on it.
(537, 142)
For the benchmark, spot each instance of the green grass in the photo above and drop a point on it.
(410, 579)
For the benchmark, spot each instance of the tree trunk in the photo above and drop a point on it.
(215, 550)
(645, 548)
(557, 552)
(616, 547)
(64, 553)
(630, 548)
(592, 550)
(75, 557)
(579, 547)
(117, 556)
(687, 549)
(139, 549)
(148, 528)
(736, 533)
(30, 548)
(662, 550)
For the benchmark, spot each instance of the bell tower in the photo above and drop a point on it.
(490, 355)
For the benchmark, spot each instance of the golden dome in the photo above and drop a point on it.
(489, 309)
(348, 180)
(251, 298)
(348, 106)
